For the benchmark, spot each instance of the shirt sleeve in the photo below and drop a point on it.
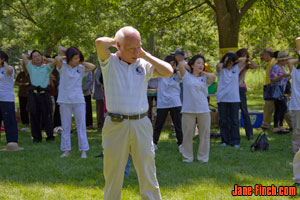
(273, 73)
(149, 71)
(49, 68)
(83, 73)
(89, 81)
(185, 75)
(29, 67)
(104, 63)
(293, 72)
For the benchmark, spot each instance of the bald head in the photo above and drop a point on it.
(127, 32)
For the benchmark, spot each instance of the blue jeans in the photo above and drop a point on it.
(8, 115)
(229, 122)
(244, 110)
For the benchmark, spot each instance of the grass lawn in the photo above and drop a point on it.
(39, 173)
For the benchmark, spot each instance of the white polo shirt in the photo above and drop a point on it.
(168, 92)
(228, 86)
(7, 85)
(295, 99)
(70, 84)
(195, 92)
(125, 86)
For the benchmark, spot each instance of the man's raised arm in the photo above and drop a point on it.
(102, 46)
(161, 68)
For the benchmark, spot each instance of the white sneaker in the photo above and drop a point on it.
(155, 147)
(83, 155)
(180, 148)
(64, 155)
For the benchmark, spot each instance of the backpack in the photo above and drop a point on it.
(261, 143)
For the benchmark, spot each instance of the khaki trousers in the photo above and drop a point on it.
(296, 167)
(269, 110)
(118, 140)
(296, 130)
(188, 129)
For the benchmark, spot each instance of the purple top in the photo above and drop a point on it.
(276, 71)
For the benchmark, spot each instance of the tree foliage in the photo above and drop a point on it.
(164, 24)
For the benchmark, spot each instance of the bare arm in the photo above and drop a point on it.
(9, 71)
(210, 77)
(274, 80)
(51, 61)
(62, 51)
(252, 65)
(161, 68)
(182, 68)
(102, 47)
(25, 58)
(88, 66)
(58, 61)
(219, 67)
(291, 63)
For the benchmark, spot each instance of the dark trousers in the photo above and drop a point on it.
(229, 122)
(23, 112)
(100, 113)
(162, 114)
(244, 110)
(42, 116)
(280, 109)
(8, 116)
(88, 109)
(56, 115)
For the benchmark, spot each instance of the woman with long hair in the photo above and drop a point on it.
(245, 65)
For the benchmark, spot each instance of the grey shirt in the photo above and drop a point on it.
(98, 92)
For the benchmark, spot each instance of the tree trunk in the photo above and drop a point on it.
(229, 18)
(48, 50)
(151, 44)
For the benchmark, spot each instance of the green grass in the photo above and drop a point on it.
(39, 173)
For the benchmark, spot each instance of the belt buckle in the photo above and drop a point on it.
(116, 117)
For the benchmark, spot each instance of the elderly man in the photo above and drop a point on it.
(126, 128)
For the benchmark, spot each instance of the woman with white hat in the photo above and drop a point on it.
(278, 76)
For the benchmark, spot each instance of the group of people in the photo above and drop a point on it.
(182, 91)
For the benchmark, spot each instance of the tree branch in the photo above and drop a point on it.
(22, 14)
(28, 14)
(210, 4)
(246, 6)
(184, 12)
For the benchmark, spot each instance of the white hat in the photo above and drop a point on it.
(283, 55)
(12, 146)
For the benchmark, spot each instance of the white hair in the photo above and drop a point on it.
(120, 34)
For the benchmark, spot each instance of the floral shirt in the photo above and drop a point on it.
(276, 71)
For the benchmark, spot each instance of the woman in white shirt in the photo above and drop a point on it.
(71, 99)
(195, 108)
(168, 99)
(7, 102)
(294, 105)
(228, 99)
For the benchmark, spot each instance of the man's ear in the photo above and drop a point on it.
(118, 46)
